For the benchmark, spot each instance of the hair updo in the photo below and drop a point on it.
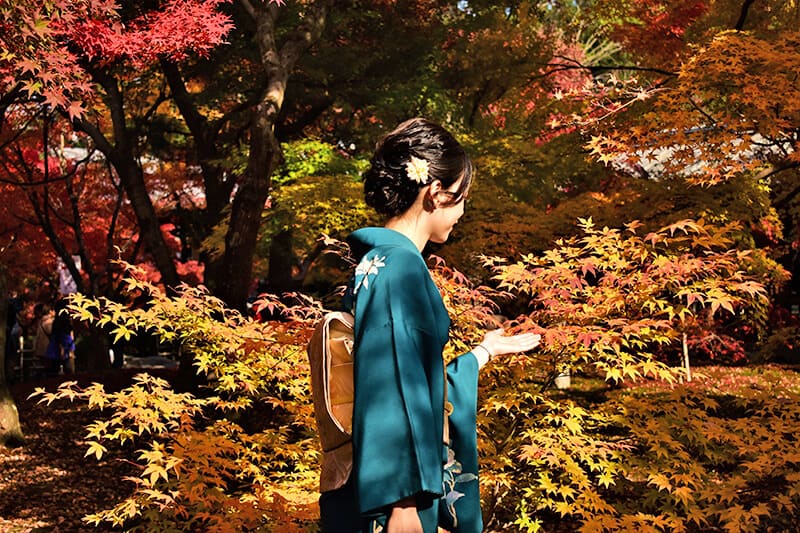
(393, 181)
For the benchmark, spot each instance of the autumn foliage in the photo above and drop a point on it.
(44, 42)
(241, 453)
(684, 115)
(611, 304)
(238, 455)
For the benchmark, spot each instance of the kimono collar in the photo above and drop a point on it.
(364, 239)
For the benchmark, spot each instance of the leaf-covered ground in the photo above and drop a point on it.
(47, 485)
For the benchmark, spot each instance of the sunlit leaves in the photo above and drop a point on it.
(730, 111)
(606, 302)
(713, 454)
(610, 300)
(609, 303)
(196, 462)
(471, 309)
(96, 449)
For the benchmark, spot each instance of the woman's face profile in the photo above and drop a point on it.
(446, 213)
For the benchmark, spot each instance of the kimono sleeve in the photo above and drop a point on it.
(460, 509)
(399, 389)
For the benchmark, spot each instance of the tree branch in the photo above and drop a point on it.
(112, 225)
(248, 7)
(603, 68)
(305, 34)
(95, 134)
(22, 129)
(197, 123)
(776, 169)
(80, 241)
(148, 115)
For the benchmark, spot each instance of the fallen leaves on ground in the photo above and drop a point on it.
(47, 485)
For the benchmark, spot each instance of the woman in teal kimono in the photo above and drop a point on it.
(414, 468)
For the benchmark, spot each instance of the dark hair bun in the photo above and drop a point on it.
(389, 189)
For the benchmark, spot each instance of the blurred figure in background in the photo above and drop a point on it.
(43, 326)
(60, 351)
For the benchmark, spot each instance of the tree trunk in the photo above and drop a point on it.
(281, 263)
(150, 230)
(240, 241)
(10, 430)
(685, 345)
(235, 272)
(205, 133)
(122, 156)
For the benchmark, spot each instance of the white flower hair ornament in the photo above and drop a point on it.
(417, 170)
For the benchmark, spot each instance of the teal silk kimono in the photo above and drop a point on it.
(401, 327)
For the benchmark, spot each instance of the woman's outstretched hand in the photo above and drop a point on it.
(496, 343)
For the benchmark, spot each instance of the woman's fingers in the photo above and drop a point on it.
(500, 344)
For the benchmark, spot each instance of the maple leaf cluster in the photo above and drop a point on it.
(710, 104)
(655, 29)
(44, 46)
(179, 28)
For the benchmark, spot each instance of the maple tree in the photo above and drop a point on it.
(646, 88)
(50, 72)
(714, 101)
(125, 99)
(67, 200)
(530, 84)
(70, 51)
(607, 304)
(69, 209)
(109, 48)
(240, 455)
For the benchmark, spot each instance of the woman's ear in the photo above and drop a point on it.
(428, 200)
(432, 196)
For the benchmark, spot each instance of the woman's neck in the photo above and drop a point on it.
(410, 226)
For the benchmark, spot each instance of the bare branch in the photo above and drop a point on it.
(248, 7)
(577, 65)
(23, 128)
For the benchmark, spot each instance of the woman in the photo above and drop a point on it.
(44, 327)
(404, 461)
(61, 346)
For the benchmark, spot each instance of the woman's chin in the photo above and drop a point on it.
(440, 239)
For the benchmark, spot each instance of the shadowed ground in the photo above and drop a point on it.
(48, 485)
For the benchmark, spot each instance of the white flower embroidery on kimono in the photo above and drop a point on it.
(366, 268)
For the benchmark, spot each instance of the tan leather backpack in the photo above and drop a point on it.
(330, 352)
